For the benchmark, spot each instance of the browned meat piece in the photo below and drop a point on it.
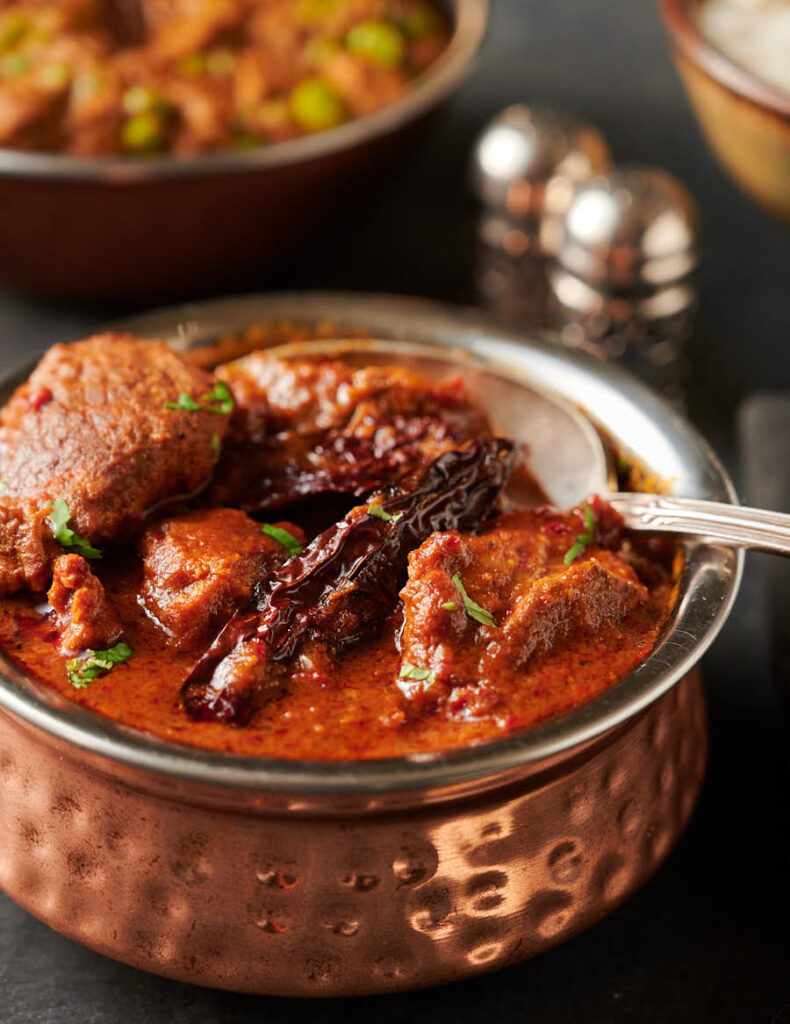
(92, 428)
(342, 587)
(304, 427)
(529, 599)
(85, 617)
(26, 546)
(200, 567)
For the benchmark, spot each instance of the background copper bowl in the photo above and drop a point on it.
(746, 120)
(107, 229)
(298, 878)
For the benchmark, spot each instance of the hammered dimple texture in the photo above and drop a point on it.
(282, 904)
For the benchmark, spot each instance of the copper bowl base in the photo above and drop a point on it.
(248, 892)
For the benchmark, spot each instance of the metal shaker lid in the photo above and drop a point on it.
(637, 227)
(529, 160)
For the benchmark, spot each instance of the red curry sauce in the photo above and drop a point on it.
(356, 712)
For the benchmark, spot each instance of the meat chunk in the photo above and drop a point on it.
(26, 546)
(95, 427)
(85, 617)
(304, 427)
(342, 587)
(525, 601)
(200, 567)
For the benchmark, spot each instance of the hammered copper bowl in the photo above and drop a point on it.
(312, 879)
(746, 121)
(108, 229)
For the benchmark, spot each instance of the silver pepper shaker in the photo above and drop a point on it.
(622, 284)
(526, 166)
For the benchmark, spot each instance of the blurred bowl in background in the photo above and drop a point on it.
(109, 229)
(746, 120)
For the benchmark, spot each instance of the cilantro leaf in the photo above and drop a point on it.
(415, 672)
(473, 609)
(379, 512)
(221, 397)
(583, 540)
(288, 541)
(185, 403)
(85, 669)
(65, 536)
(448, 606)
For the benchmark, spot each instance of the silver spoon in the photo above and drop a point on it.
(566, 452)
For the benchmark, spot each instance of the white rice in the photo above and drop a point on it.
(752, 33)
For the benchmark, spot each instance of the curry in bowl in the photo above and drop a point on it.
(300, 557)
(195, 76)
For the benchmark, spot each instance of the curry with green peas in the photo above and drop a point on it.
(206, 74)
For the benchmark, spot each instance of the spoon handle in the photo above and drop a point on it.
(733, 525)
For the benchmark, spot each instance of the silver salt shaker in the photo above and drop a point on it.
(526, 166)
(622, 283)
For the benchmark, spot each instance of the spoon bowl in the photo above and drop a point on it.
(566, 452)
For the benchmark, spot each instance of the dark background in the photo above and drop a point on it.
(707, 938)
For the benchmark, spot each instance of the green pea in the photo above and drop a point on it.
(143, 133)
(376, 41)
(315, 106)
(13, 29)
(55, 76)
(420, 21)
(139, 99)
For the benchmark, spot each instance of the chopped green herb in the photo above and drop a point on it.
(473, 609)
(583, 540)
(288, 541)
(85, 669)
(65, 536)
(221, 396)
(415, 672)
(449, 606)
(185, 403)
(216, 447)
(379, 512)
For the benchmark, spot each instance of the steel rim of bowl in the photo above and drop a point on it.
(686, 35)
(434, 85)
(709, 590)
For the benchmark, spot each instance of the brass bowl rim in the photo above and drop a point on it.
(711, 582)
(440, 79)
(689, 40)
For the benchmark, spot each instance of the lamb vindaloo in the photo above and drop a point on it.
(301, 558)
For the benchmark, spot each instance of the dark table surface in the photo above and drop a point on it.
(708, 938)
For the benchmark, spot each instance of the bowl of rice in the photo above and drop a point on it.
(734, 59)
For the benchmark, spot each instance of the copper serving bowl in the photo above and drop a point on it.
(746, 120)
(308, 879)
(108, 228)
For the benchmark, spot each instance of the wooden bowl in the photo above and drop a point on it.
(746, 121)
